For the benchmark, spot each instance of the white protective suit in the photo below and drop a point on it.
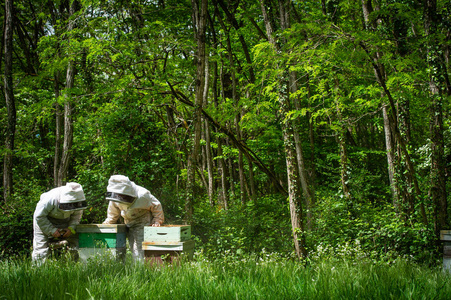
(48, 217)
(143, 210)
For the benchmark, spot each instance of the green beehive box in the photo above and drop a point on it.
(167, 233)
(101, 236)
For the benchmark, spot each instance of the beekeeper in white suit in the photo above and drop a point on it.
(137, 206)
(57, 214)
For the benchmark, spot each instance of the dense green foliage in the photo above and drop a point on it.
(267, 277)
(132, 110)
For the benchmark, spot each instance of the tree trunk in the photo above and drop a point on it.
(223, 193)
(241, 166)
(209, 158)
(253, 192)
(307, 188)
(68, 119)
(199, 15)
(58, 127)
(208, 154)
(391, 160)
(223, 173)
(68, 126)
(10, 103)
(311, 132)
(294, 191)
(437, 88)
(233, 93)
(344, 170)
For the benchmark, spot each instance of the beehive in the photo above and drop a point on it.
(167, 251)
(101, 239)
(445, 237)
(167, 243)
(167, 233)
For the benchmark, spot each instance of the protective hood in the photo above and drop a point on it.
(121, 189)
(71, 192)
(72, 197)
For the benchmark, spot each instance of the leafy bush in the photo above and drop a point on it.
(264, 224)
(16, 225)
(378, 231)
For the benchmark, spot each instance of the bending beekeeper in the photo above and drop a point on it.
(57, 214)
(137, 206)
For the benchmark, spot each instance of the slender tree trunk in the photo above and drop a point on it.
(241, 167)
(68, 119)
(391, 160)
(199, 15)
(344, 170)
(223, 193)
(311, 133)
(208, 154)
(235, 99)
(253, 191)
(437, 87)
(223, 174)
(294, 191)
(58, 126)
(68, 126)
(209, 158)
(232, 173)
(10, 103)
(303, 174)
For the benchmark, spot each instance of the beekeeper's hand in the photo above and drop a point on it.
(67, 234)
(57, 234)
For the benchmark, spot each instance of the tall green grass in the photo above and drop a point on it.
(249, 278)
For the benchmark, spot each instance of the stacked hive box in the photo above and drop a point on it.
(445, 237)
(167, 243)
(101, 239)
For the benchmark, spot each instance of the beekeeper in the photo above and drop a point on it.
(137, 206)
(57, 214)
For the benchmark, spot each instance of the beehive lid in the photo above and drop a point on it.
(100, 228)
(445, 235)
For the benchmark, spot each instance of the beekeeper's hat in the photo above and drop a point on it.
(72, 197)
(72, 192)
(121, 189)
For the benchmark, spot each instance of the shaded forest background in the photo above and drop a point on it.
(272, 125)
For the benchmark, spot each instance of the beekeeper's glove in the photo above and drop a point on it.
(69, 231)
(57, 233)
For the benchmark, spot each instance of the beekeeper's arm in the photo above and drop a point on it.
(75, 218)
(113, 213)
(43, 208)
(73, 222)
(155, 209)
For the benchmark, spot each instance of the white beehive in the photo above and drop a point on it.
(167, 233)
